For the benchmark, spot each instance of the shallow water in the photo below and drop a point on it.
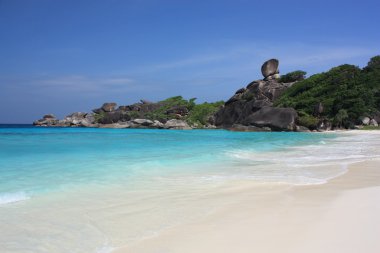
(92, 190)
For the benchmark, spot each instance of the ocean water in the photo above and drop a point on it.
(95, 190)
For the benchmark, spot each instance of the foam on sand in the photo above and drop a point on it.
(12, 197)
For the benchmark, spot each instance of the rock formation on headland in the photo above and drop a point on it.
(251, 108)
(343, 97)
(130, 116)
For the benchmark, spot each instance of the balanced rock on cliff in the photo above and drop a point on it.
(253, 106)
(270, 69)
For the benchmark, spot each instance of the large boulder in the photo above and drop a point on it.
(270, 68)
(49, 116)
(143, 122)
(88, 121)
(248, 100)
(63, 123)
(74, 119)
(158, 124)
(90, 118)
(365, 120)
(114, 117)
(176, 124)
(373, 122)
(109, 107)
(47, 120)
(278, 119)
(271, 89)
(229, 114)
(78, 115)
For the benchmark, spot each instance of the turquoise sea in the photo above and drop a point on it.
(94, 190)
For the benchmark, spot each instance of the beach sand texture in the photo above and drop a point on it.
(342, 215)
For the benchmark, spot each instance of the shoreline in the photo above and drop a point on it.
(117, 126)
(302, 197)
(339, 216)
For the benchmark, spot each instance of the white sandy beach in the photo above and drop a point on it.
(342, 215)
(321, 197)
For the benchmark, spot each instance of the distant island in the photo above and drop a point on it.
(345, 97)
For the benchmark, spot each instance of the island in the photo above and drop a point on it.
(345, 97)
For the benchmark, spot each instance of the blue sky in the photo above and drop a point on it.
(61, 56)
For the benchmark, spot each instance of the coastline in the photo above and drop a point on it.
(339, 216)
(179, 126)
(293, 192)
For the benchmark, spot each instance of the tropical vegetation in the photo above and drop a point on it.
(346, 92)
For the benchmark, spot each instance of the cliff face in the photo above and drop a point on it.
(251, 108)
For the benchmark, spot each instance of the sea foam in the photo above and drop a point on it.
(12, 197)
(313, 163)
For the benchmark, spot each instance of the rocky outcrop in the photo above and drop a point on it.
(130, 116)
(370, 121)
(47, 120)
(113, 117)
(77, 119)
(365, 121)
(277, 119)
(176, 124)
(146, 123)
(249, 109)
(258, 94)
(108, 107)
(252, 106)
(374, 123)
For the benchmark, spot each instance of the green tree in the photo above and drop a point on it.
(201, 113)
(294, 76)
(346, 87)
(340, 118)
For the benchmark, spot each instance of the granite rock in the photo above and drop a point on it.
(270, 68)
(176, 124)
